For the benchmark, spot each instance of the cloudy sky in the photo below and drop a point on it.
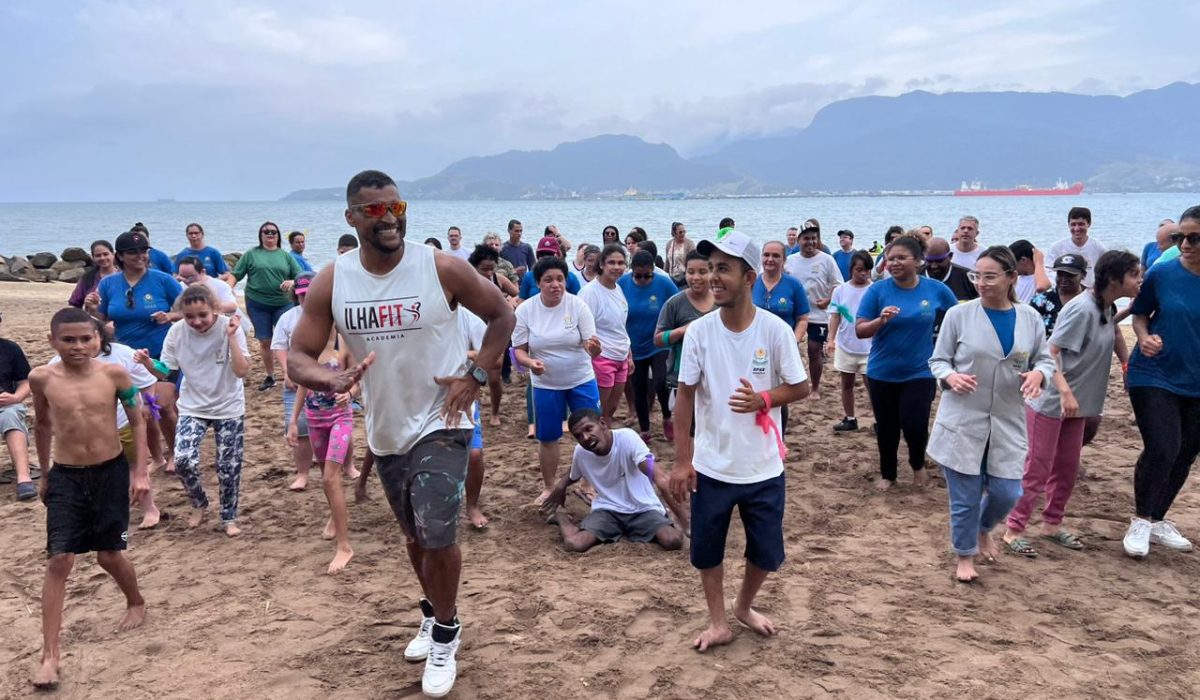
(135, 100)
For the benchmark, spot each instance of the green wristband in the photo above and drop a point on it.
(666, 338)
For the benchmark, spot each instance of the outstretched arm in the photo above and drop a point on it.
(312, 335)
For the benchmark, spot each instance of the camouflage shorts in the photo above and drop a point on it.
(425, 486)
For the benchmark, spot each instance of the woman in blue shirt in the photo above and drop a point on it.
(783, 295)
(1164, 388)
(138, 303)
(899, 313)
(646, 291)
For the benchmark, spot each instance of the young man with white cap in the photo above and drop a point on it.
(738, 367)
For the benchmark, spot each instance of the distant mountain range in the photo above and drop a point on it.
(919, 141)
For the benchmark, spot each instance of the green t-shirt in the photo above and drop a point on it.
(264, 271)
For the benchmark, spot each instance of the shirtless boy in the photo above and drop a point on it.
(88, 487)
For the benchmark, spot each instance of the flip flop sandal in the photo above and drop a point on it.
(1021, 547)
(1066, 539)
(8, 476)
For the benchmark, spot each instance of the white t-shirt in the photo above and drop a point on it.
(462, 253)
(210, 389)
(1026, 288)
(122, 356)
(620, 486)
(848, 297)
(820, 275)
(1090, 250)
(609, 309)
(281, 337)
(963, 258)
(221, 290)
(730, 446)
(472, 328)
(555, 336)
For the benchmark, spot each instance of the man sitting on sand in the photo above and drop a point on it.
(620, 467)
(87, 489)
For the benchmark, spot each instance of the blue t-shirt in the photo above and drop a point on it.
(209, 256)
(1150, 253)
(645, 303)
(900, 351)
(529, 288)
(1168, 297)
(304, 265)
(161, 261)
(1005, 323)
(842, 258)
(787, 300)
(155, 291)
(793, 250)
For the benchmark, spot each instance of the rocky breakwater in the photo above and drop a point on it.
(48, 267)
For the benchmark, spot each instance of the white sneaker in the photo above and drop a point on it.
(418, 648)
(1137, 538)
(441, 668)
(1164, 532)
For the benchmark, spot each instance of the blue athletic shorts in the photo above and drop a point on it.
(761, 507)
(550, 407)
(264, 317)
(477, 438)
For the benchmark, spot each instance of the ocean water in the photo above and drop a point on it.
(1119, 220)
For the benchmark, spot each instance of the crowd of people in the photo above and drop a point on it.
(722, 333)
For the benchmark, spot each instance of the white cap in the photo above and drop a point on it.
(734, 243)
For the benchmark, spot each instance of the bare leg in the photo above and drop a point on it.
(718, 631)
(54, 590)
(669, 538)
(302, 460)
(150, 513)
(988, 548)
(606, 403)
(122, 572)
(743, 608)
(348, 469)
(268, 357)
(574, 539)
(360, 489)
(495, 394)
(18, 450)
(196, 518)
(438, 570)
(848, 394)
(164, 392)
(548, 461)
(331, 482)
(965, 571)
(679, 510)
(154, 444)
(630, 403)
(816, 365)
(475, 470)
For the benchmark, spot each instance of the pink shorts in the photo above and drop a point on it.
(331, 433)
(610, 372)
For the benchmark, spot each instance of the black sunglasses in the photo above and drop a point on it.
(1191, 238)
(129, 298)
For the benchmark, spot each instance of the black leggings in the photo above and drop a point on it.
(1170, 428)
(642, 369)
(901, 407)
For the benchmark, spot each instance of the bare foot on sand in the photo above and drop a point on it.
(921, 478)
(755, 620)
(884, 484)
(232, 530)
(537, 502)
(135, 615)
(360, 494)
(965, 573)
(196, 518)
(351, 473)
(300, 483)
(713, 637)
(169, 462)
(477, 518)
(988, 549)
(150, 519)
(494, 421)
(46, 677)
(340, 559)
(531, 434)
(329, 532)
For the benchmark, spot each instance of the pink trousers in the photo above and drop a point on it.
(1051, 464)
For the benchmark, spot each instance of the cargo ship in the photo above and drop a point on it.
(976, 189)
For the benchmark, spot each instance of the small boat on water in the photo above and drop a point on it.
(976, 189)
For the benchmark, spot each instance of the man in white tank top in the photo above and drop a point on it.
(396, 307)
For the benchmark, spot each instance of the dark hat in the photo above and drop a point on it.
(131, 240)
(1072, 263)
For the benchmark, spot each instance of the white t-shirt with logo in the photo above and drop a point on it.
(848, 296)
(610, 310)
(820, 275)
(620, 486)
(1090, 251)
(730, 446)
(210, 389)
(555, 335)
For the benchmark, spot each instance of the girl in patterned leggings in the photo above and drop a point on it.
(210, 350)
(330, 429)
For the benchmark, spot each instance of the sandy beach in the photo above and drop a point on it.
(865, 604)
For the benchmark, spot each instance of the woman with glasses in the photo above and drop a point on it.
(991, 355)
(270, 272)
(646, 291)
(104, 263)
(1164, 388)
(610, 234)
(138, 303)
(898, 314)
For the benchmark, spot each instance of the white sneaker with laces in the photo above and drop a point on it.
(441, 668)
(1165, 533)
(418, 648)
(1137, 538)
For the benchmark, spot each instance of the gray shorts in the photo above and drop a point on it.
(425, 486)
(13, 418)
(610, 526)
